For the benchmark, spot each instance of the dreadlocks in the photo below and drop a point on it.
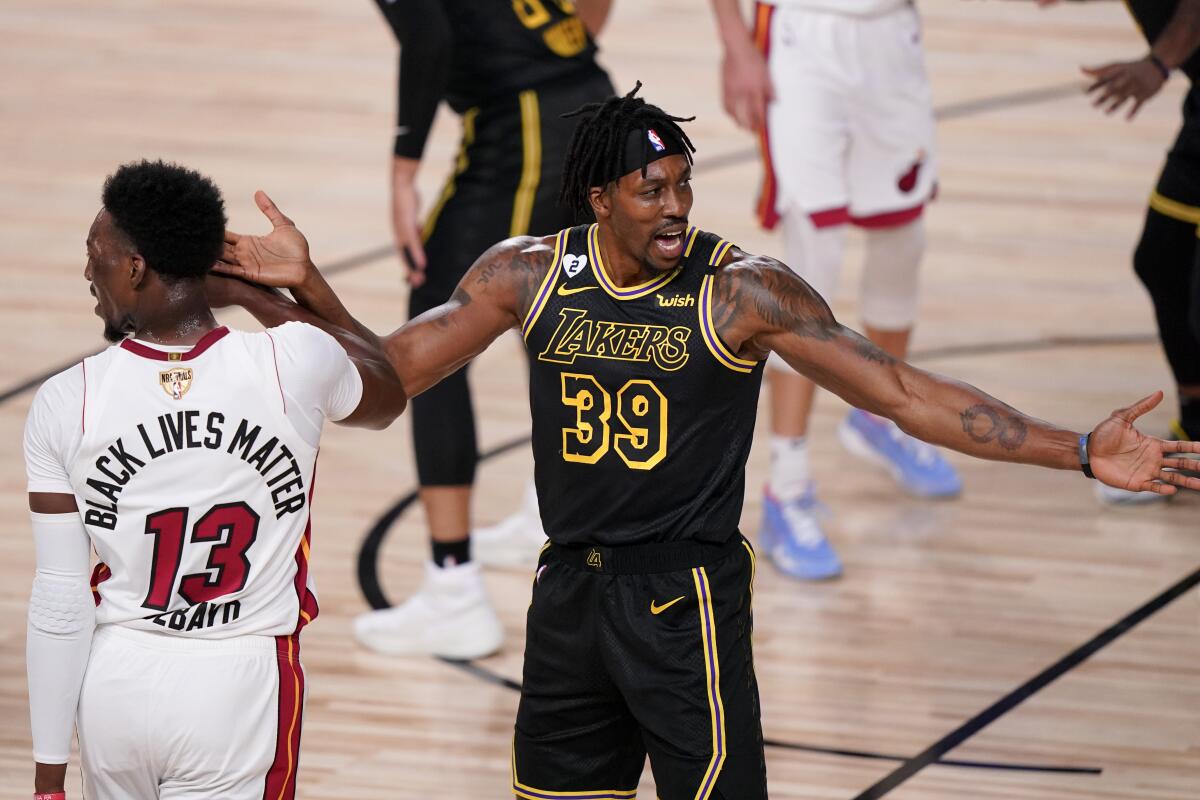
(597, 147)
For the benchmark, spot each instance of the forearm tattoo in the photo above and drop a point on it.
(869, 351)
(984, 424)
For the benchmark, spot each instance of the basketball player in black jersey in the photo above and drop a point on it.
(510, 69)
(1167, 259)
(646, 340)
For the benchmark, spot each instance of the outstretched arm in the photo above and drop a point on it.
(1118, 82)
(762, 306)
(383, 397)
(494, 295)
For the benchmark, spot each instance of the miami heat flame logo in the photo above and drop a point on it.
(176, 382)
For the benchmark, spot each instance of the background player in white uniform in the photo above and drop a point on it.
(837, 91)
(184, 455)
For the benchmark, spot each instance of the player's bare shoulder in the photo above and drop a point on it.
(756, 295)
(509, 273)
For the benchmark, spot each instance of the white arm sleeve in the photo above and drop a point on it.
(318, 378)
(62, 618)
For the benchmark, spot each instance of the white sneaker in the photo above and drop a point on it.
(1112, 496)
(514, 541)
(449, 616)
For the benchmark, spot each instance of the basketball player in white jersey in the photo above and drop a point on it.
(184, 455)
(837, 92)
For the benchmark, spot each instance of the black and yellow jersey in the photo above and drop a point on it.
(642, 416)
(474, 53)
(1152, 17)
(504, 46)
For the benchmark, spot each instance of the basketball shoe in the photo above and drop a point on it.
(918, 467)
(792, 538)
(449, 616)
(514, 541)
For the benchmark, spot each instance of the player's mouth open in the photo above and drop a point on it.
(671, 244)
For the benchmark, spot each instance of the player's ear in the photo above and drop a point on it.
(600, 199)
(137, 270)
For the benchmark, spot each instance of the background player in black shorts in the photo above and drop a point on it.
(646, 340)
(510, 69)
(1167, 259)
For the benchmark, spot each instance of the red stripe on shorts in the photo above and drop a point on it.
(768, 214)
(889, 219)
(281, 777)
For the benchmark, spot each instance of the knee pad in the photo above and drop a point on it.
(815, 254)
(890, 285)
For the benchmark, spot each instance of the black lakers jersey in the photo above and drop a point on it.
(1152, 17)
(504, 46)
(642, 416)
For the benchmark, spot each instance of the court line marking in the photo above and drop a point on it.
(1008, 702)
(369, 584)
(957, 110)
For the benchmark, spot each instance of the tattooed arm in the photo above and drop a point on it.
(761, 306)
(492, 297)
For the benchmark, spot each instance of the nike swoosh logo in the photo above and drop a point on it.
(656, 610)
(564, 291)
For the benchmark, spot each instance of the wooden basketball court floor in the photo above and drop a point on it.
(948, 612)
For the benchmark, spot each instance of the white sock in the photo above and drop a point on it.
(789, 467)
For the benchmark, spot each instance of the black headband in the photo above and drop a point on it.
(645, 146)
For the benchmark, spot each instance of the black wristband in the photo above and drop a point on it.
(1084, 462)
(1158, 62)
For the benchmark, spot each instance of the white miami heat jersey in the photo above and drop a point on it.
(193, 472)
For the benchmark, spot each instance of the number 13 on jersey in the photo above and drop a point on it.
(641, 410)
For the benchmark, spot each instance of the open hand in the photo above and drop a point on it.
(1115, 84)
(1124, 457)
(278, 259)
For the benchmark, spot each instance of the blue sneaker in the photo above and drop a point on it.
(792, 538)
(918, 467)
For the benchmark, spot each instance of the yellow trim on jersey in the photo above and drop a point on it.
(1175, 209)
(531, 169)
(687, 251)
(712, 684)
(614, 291)
(461, 165)
(1176, 429)
(530, 793)
(544, 290)
(753, 567)
(708, 332)
(708, 329)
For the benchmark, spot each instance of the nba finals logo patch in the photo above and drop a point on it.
(573, 265)
(176, 382)
(655, 142)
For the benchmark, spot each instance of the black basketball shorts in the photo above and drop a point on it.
(636, 651)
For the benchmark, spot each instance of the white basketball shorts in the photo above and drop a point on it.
(169, 717)
(850, 135)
